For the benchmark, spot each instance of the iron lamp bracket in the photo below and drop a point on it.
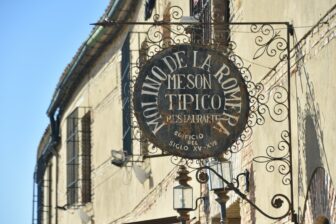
(277, 201)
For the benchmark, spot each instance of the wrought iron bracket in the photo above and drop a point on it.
(246, 175)
(198, 202)
(276, 202)
(269, 95)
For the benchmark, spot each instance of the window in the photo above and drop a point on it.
(201, 10)
(207, 12)
(79, 157)
(40, 201)
(126, 96)
(86, 158)
(221, 15)
(48, 191)
(45, 205)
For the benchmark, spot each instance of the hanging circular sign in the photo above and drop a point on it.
(191, 101)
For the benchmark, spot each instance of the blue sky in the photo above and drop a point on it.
(37, 40)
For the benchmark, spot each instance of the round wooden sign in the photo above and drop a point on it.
(191, 101)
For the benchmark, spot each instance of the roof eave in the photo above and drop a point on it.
(83, 55)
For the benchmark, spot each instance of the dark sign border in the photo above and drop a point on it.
(170, 130)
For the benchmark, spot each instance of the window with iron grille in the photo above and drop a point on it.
(216, 12)
(40, 197)
(126, 97)
(201, 10)
(86, 158)
(221, 20)
(79, 157)
(45, 190)
(49, 191)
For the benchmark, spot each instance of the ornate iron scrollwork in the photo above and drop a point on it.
(278, 201)
(269, 42)
(278, 157)
(267, 103)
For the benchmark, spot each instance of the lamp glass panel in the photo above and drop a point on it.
(223, 169)
(227, 171)
(215, 182)
(183, 197)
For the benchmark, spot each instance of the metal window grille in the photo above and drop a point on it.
(201, 33)
(126, 97)
(49, 190)
(221, 14)
(40, 201)
(44, 197)
(79, 157)
(72, 158)
(86, 158)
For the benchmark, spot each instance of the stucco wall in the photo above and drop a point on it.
(312, 88)
(119, 196)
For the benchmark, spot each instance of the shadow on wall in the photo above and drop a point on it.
(320, 188)
(252, 194)
(319, 203)
(312, 148)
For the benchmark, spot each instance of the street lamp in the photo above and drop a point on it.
(224, 169)
(183, 195)
(220, 181)
(216, 184)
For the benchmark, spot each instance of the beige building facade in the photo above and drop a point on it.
(95, 165)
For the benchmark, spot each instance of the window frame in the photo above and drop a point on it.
(78, 157)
